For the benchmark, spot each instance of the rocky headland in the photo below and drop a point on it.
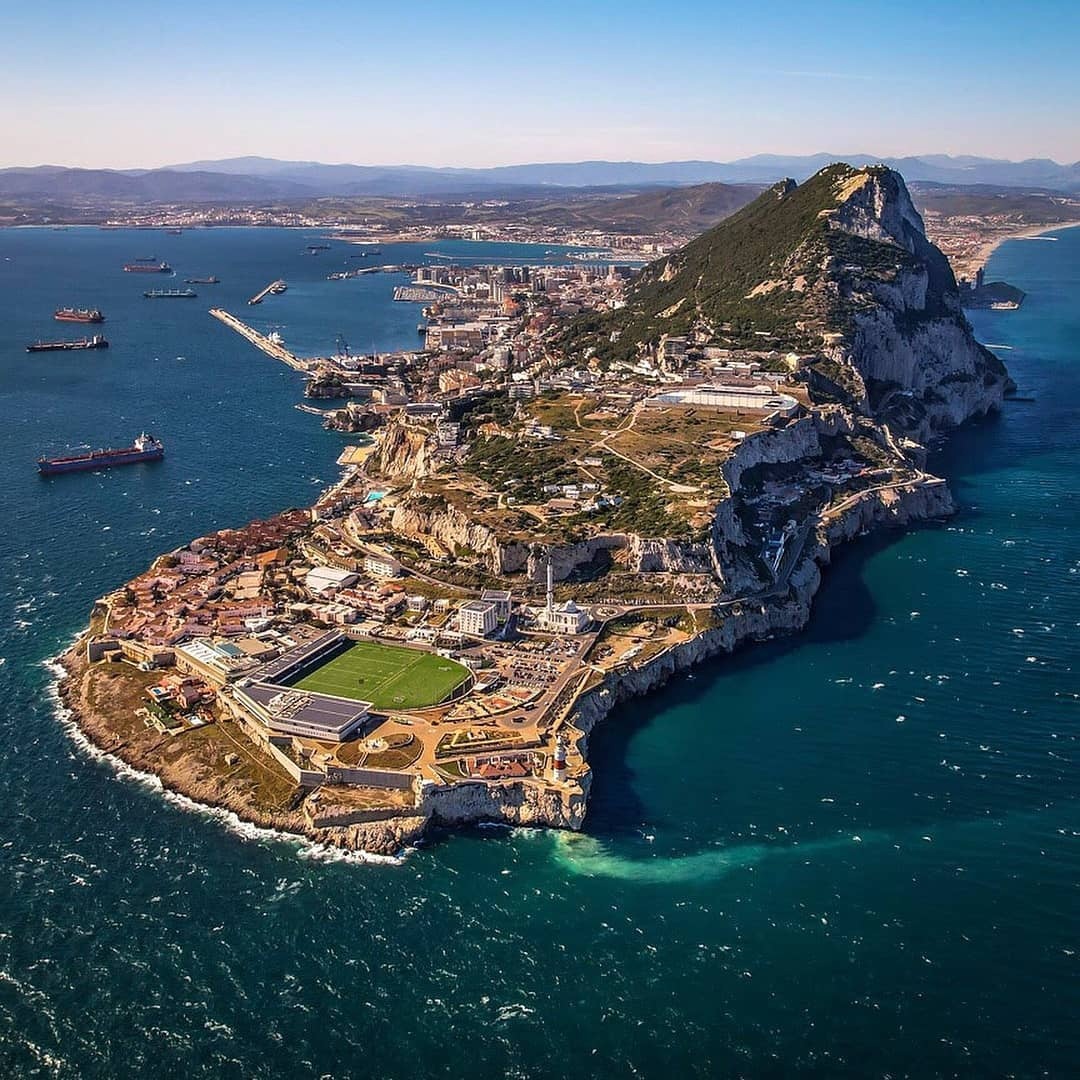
(841, 276)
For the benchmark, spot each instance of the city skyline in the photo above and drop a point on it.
(481, 86)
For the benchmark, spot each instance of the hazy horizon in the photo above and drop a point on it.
(837, 156)
(482, 85)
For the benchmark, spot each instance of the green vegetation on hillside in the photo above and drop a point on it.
(756, 273)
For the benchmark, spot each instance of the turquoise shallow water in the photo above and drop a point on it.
(855, 852)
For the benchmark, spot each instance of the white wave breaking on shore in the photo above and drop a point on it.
(305, 848)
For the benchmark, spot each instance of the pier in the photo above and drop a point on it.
(260, 341)
(278, 286)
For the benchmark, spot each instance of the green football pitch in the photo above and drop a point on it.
(388, 676)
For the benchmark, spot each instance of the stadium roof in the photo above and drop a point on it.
(291, 708)
(295, 656)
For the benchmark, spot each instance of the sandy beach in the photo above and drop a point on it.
(1032, 232)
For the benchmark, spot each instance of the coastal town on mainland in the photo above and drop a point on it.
(532, 523)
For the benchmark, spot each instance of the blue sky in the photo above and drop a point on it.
(125, 84)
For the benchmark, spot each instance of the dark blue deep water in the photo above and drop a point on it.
(853, 853)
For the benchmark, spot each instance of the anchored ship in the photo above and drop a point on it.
(147, 268)
(145, 448)
(170, 294)
(96, 342)
(70, 314)
(211, 280)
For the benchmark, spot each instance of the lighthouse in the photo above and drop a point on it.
(558, 760)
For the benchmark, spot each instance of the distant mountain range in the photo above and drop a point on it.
(762, 169)
(257, 179)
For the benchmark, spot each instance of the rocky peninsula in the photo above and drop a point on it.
(432, 644)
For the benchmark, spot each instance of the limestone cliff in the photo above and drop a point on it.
(899, 323)
(402, 452)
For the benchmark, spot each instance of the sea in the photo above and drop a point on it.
(850, 853)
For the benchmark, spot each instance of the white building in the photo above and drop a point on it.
(565, 618)
(216, 662)
(329, 579)
(477, 618)
(764, 398)
(380, 566)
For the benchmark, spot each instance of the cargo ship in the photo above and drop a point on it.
(147, 268)
(211, 280)
(170, 294)
(145, 448)
(96, 342)
(70, 314)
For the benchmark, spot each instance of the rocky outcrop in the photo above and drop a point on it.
(898, 321)
(327, 384)
(723, 555)
(427, 515)
(523, 802)
(402, 452)
(353, 419)
(390, 836)
(796, 440)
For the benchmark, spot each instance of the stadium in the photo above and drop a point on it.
(325, 688)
